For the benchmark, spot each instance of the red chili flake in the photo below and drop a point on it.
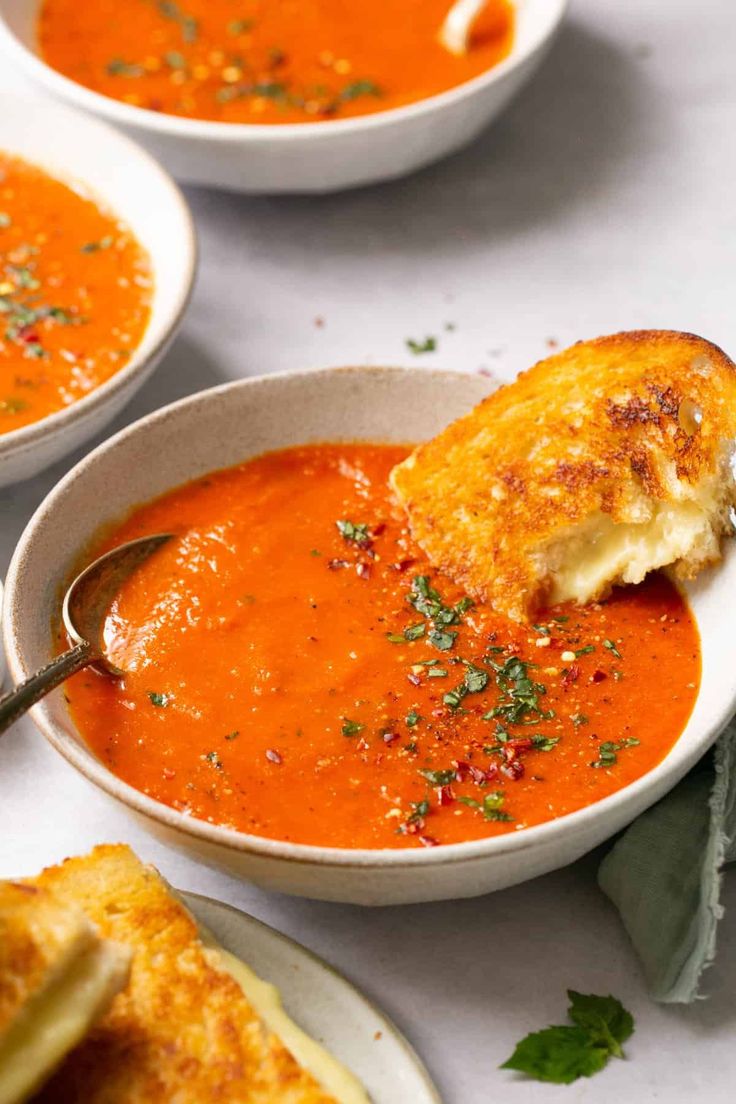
(376, 530)
(445, 795)
(598, 676)
(461, 769)
(513, 770)
(29, 336)
(401, 565)
(521, 743)
(476, 773)
(168, 773)
(389, 737)
(363, 571)
(414, 679)
(273, 756)
(428, 841)
(572, 674)
(491, 772)
(335, 565)
(439, 712)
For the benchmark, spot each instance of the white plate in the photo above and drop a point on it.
(324, 1004)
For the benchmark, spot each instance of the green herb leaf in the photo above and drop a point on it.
(440, 639)
(354, 532)
(439, 777)
(608, 751)
(159, 700)
(490, 806)
(612, 648)
(351, 728)
(116, 67)
(414, 632)
(96, 246)
(429, 345)
(579, 719)
(360, 88)
(232, 735)
(604, 1018)
(412, 719)
(213, 758)
(557, 1054)
(564, 1053)
(585, 651)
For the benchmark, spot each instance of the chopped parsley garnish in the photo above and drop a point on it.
(545, 743)
(520, 695)
(585, 651)
(240, 26)
(439, 777)
(564, 1053)
(608, 751)
(213, 758)
(474, 680)
(159, 700)
(412, 719)
(612, 648)
(414, 632)
(489, 807)
(96, 246)
(116, 67)
(579, 719)
(429, 345)
(187, 23)
(439, 638)
(351, 728)
(436, 672)
(354, 532)
(419, 811)
(360, 88)
(232, 735)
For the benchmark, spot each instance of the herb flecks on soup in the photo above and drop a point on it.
(255, 61)
(75, 289)
(298, 671)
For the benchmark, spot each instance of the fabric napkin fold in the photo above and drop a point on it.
(664, 874)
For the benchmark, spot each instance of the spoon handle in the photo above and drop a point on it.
(18, 701)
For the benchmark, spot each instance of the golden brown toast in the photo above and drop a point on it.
(183, 1031)
(56, 978)
(597, 465)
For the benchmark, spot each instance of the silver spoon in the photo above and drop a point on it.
(86, 605)
(455, 31)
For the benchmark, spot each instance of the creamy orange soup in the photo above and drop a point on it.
(297, 670)
(266, 61)
(75, 292)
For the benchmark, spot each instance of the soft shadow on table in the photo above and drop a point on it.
(571, 133)
(185, 369)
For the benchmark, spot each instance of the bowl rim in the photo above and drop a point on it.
(173, 126)
(540, 836)
(17, 441)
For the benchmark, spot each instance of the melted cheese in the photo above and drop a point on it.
(604, 553)
(266, 999)
(59, 1018)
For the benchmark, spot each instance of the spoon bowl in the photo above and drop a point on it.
(85, 607)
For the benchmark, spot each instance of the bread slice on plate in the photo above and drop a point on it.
(183, 1031)
(56, 978)
(596, 466)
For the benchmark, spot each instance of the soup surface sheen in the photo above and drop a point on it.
(75, 289)
(298, 671)
(266, 61)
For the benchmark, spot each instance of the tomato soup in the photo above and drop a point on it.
(298, 671)
(266, 61)
(75, 291)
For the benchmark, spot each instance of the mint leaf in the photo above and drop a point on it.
(604, 1018)
(563, 1053)
(557, 1054)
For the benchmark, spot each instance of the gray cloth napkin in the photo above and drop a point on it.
(664, 874)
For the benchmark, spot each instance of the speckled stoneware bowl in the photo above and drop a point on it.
(303, 157)
(124, 180)
(226, 425)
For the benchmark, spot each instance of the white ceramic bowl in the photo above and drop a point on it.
(111, 169)
(225, 425)
(304, 157)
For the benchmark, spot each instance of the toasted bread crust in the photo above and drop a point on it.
(38, 937)
(183, 1030)
(606, 427)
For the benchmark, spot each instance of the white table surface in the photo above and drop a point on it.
(604, 199)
